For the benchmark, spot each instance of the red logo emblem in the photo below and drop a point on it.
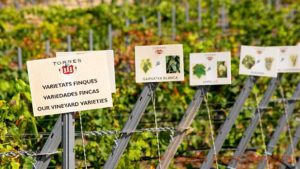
(210, 58)
(159, 51)
(282, 50)
(259, 52)
(68, 69)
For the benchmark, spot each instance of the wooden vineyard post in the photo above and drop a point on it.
(289, 150)
(185, 122)
(254, 122)
(289, 108)
(230, 120)
(130, 126)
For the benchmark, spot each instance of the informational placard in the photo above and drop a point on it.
(69, 84)
(259, 61)
(160, 63)
(109, 54)
(210, 68)
(289, 59)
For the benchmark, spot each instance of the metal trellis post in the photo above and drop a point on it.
(109, 36)
(187, 12)
(226, 127)
(68, 131)
(47, 46)
(289, 150)
(159, 24)
(20, 60)
(91, 40)
(173, 23)
(68, 139)
(199, 13)
(127, 23)
(51, 145)
(130, 126)
(254, 122)
(298, 164)
(185, 122)
(289, 108)
(144, 20)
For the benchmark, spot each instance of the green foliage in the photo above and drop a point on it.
(250, 23)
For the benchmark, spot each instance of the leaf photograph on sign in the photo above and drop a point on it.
(210, 68)
(159, 63)
(289, 59)
(259, 61)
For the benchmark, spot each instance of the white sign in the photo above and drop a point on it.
(259, 61)
(109, 54)
(210, 68)
(159, 63)
(289, 59)
(68, 84)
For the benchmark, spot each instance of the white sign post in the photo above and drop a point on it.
(289, 59)
(259, 61)
(159, 63)
(210, 68)
(69, 84)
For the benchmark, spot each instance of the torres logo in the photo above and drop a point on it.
(159, 51)
(67, 66)
(67, 69)
(209, 58)
(259, 52)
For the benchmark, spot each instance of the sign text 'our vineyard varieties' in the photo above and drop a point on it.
(159, 63)
(69, 84)
(210, 68)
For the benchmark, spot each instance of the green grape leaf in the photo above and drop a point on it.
(199, 70)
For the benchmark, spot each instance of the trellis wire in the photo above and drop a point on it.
(156, 125)
(25, 153)
(288, 125)
(205, 98)
(82, 140)
(261, 129)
